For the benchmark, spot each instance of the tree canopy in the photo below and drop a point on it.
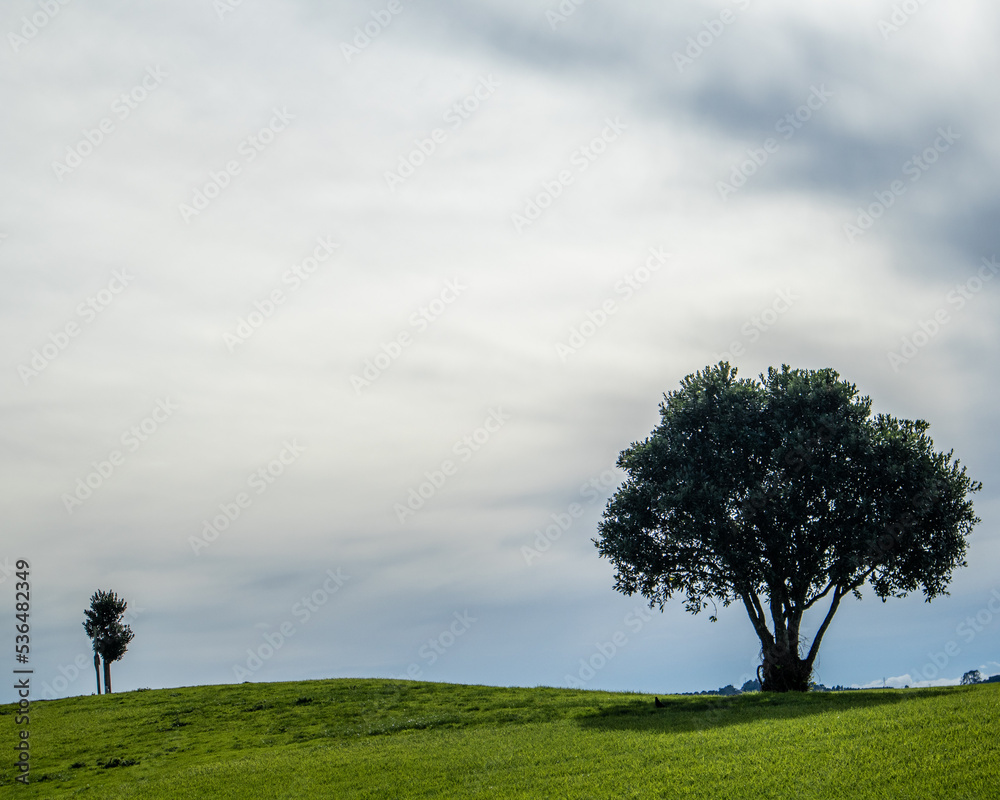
(973, 676)
(780, 494)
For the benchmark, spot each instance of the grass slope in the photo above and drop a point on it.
(391, 739)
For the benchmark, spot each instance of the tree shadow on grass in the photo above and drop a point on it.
(687, 713)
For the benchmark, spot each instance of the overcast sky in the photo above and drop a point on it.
(316, 313)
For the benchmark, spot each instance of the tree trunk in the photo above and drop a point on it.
(107, 676)
(97, 670)
(783, 670)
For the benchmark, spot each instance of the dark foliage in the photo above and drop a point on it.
(104, 626)
(779, 494)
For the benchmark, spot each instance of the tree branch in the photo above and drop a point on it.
(864, 577)
(814, 649)
(778, 616)
(820, 596)
(854, 585)
(756, 614)
(758, 607)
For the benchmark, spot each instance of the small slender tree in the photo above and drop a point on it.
(109, 634)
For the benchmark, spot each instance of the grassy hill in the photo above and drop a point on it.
(390, 739)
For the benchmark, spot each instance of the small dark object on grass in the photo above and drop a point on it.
(77, 765)
(120, 762)
(657, 703)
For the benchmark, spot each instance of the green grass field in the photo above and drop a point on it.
(390, 739)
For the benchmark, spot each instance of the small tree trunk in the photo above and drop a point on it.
(107, 676)
(97, 670)
(784, 671)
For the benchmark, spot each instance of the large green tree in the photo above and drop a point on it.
(784, 494)
(111, 637)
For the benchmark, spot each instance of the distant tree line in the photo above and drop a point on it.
(971, 677)
(974, 676)
(754, 686)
